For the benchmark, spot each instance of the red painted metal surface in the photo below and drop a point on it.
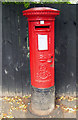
(41, 41)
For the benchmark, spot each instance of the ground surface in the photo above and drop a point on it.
(17, 107)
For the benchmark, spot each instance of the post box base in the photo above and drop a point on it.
(40, 112)
(42, 101)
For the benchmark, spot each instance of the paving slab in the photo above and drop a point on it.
(18, 107)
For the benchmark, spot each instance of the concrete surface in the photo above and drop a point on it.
(17, 107)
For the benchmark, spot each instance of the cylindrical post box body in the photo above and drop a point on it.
(41, 42)
(42, 53)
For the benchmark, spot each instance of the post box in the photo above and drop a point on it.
(41, 43)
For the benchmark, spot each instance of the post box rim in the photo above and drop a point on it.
(41, 11)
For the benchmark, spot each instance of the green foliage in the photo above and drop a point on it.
(27, 4)
(12, 3)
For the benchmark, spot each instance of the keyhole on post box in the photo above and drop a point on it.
(52, 65)
(50, 60)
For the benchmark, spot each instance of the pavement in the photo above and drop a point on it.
(18, 107)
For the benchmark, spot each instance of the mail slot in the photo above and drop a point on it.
(41, 43)
(42, 28)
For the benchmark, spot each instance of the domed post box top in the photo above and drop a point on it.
(39, 13)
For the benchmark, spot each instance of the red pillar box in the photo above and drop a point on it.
(41, 42)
